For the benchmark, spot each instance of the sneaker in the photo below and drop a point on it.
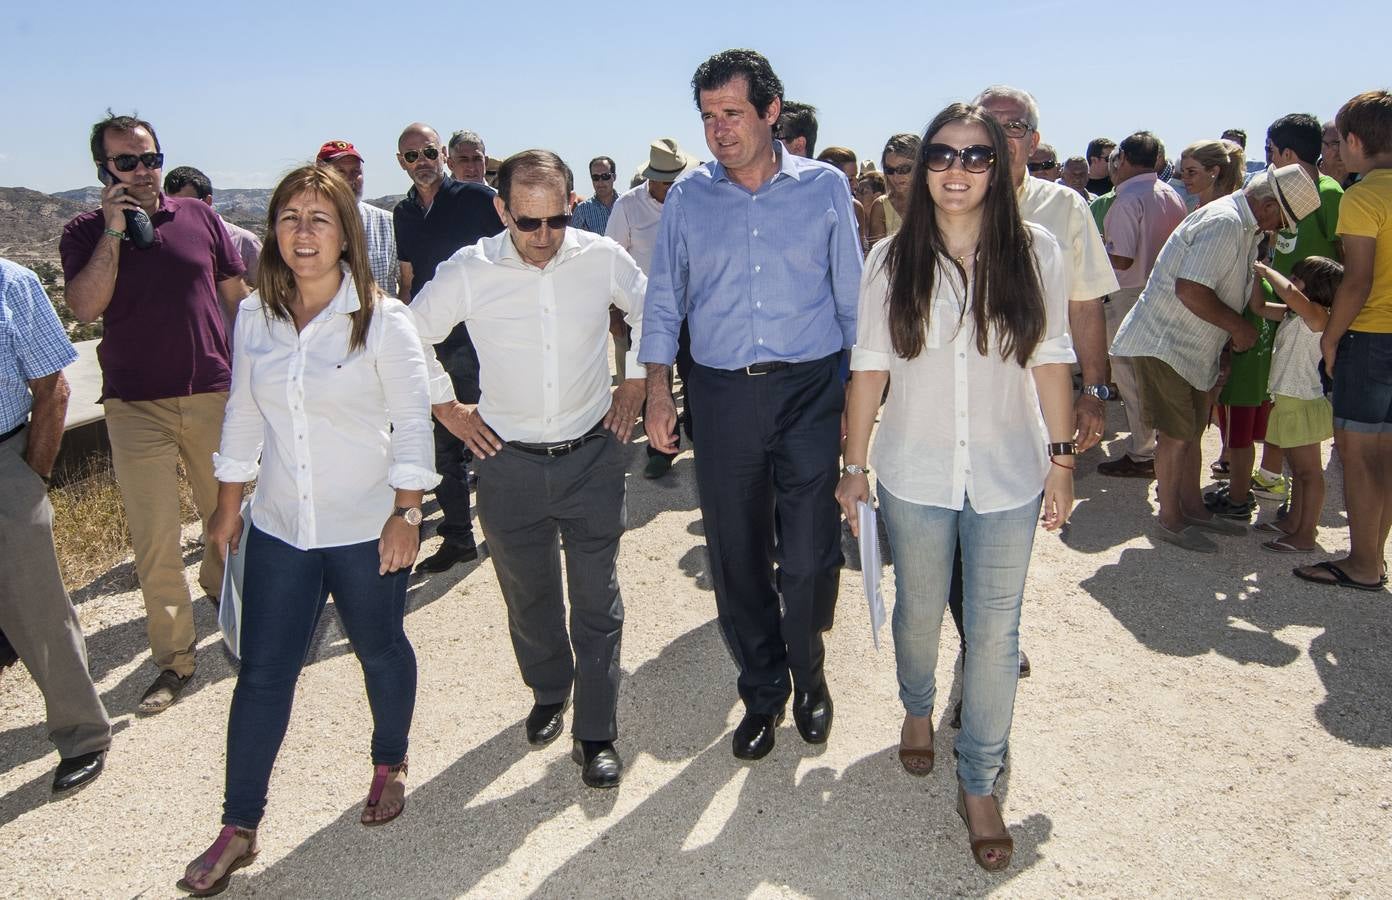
(1221, 504)
(657, 466)
(1277, 488)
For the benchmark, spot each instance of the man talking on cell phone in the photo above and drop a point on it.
(166, 369)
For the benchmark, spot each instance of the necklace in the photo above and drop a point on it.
(962, 260)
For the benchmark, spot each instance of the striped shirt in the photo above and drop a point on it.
(770, 275)
(591, 215)
(33, 344)
(1214, 246)
(381, 247)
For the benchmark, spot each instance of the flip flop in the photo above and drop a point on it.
(1340, 578)
(1270, 528)
(1280, 546)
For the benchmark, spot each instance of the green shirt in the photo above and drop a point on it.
(1100, 206)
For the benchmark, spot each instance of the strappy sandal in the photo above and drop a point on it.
(917, 761)
(1004, 847)
(209, 860)
(380, 776)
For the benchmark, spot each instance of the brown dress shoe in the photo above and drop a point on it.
(1126, 467)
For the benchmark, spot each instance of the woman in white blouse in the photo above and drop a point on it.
(329, 411)
(964, 314)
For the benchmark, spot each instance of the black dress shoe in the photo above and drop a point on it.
(545, 721)
(600, 766)
(74, 772)
(1024, 665)
(956, 715)
(812, 713)
(754, 735)
(449, 554)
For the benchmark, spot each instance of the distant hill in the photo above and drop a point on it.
(31, 223)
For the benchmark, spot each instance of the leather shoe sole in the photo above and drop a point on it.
(812, 713)
(754, 735)
(545, 722)
(78, 771)
(600, 766)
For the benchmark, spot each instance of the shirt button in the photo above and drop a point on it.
(961, 443)
(758, 304)
(761, 341)
(756, 232)
(757, 268)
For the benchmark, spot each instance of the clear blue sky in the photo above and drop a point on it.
(245, 91)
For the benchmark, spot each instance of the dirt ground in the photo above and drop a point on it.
(1195, 726)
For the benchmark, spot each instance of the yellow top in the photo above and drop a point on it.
(1366, 211)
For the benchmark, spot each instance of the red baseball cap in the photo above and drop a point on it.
(334, 149)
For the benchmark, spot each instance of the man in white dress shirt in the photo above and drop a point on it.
(377, 222)
(548, 440)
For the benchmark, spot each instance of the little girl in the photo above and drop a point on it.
(1302, 416)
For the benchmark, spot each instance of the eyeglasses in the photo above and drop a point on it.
(126, 162)
(606, 176)
(1042, 166)
(905, 169)
(528, 224)
(430, 153)
(977, 158)
(1016, 129)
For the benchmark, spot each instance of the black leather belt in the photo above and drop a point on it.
(764, 368)
(12, 432)
(560, 449)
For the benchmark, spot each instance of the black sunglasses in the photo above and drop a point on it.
(1042, 166)
(977, 158)
(905, 169)
(607, 176)
(1016, 129)
(126, 162)
(430, 153)
(527, 223)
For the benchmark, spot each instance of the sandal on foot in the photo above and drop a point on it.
(1004, 847)
(209, 860)
(917, 761)
(1339, 578)
(1270, 528)
(380, 776)
(1280, 545)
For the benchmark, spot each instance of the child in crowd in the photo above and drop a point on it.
(1302, 417)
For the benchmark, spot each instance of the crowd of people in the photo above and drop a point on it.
(352, 361)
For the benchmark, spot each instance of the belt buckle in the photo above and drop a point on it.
(749, 369)
(560, 449)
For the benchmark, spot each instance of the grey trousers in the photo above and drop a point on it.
(36, 614)
(527, 506)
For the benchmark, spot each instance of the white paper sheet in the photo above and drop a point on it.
(230, 600)
(870, 566)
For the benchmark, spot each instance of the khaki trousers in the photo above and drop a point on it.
(148, 437)
(1141, 445)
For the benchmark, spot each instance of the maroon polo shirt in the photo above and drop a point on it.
(163, 332)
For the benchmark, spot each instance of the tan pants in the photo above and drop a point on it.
(147, 439)
(1141, 445)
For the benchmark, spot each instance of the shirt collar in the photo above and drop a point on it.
(787, 165)
(1141, 182)
(1244, 210)
(346, 300)
(507, 252)
(414, 196)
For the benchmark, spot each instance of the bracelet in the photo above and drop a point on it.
(1063, 448)
(1055, 462)
(118, 235)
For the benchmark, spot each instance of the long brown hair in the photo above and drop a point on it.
(275, 282)
(1006, 299)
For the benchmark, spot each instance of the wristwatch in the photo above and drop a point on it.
(1100, 391)
(411, 514)
(854, 469)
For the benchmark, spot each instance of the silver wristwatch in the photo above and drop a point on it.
(854, 469)
(1100, 391)
(411, 514)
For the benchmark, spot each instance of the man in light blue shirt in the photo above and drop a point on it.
(759, 251)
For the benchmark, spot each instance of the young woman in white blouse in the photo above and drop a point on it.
(964, 314)
(330, 412)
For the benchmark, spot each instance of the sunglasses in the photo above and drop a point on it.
(127, 162)
(905, 169)
(977, 158)
(1016, 129)
(1042, 166)
(528, 224)
(430, 153)
(607, 176)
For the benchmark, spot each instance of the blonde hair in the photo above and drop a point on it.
(1223, 154)
(275, 282)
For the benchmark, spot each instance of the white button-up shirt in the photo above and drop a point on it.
(1060, 210)
(541, 333)
(633, 223)
(331, 433)
(959, 425)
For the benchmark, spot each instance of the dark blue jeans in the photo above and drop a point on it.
(282, 598)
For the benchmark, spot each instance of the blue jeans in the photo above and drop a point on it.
(995, 560)
(282, 598)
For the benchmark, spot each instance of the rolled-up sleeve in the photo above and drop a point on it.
(1056, 345)
(442, 304)
(401, 368)
(664, 305)
(628, 286)
(238, 458)
(873, 348)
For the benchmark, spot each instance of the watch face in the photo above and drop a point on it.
(412, 516)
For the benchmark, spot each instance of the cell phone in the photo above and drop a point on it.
(138, 226)
(105, 177)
